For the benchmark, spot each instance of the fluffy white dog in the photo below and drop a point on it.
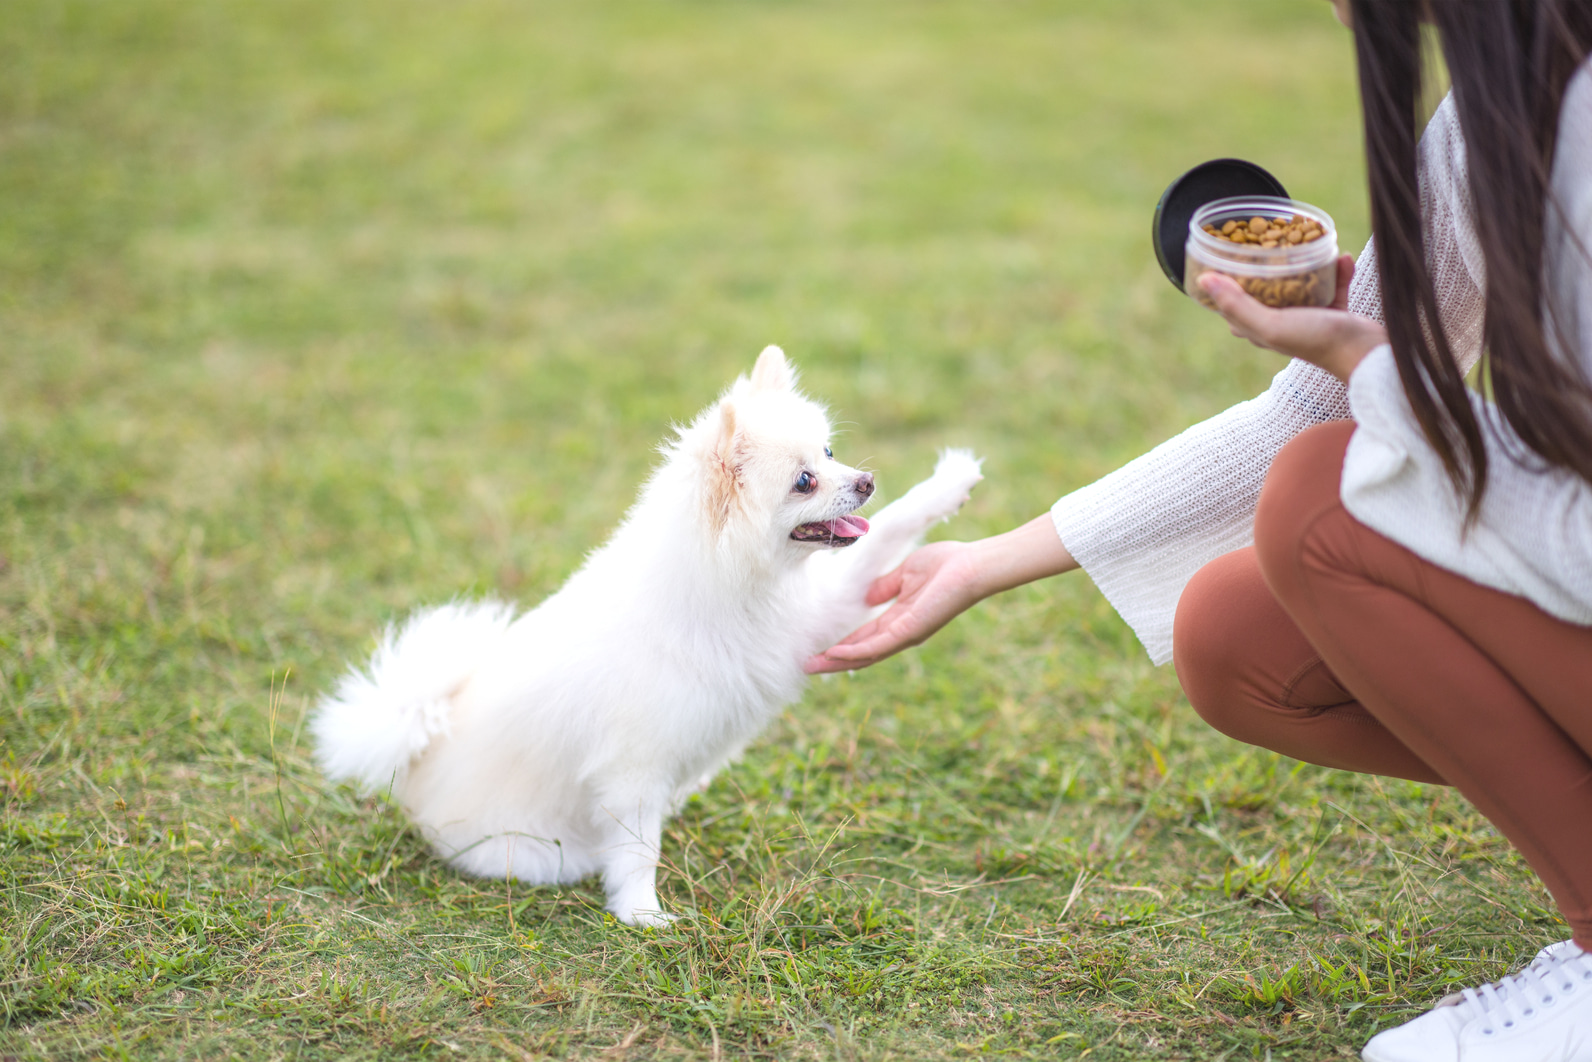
(553, 745)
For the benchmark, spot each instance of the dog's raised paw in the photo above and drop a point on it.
(955, 475)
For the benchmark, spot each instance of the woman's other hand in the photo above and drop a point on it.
(1330, 337)
(940, 581)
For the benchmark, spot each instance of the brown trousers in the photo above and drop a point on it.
(1329, 643)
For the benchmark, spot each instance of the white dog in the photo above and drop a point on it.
(553, 745)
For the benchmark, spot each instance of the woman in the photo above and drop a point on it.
(1417, 601)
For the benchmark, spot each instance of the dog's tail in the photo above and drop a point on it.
(379, 719)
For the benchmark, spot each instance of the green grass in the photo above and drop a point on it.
(314, 312)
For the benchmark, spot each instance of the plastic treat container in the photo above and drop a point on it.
(1303, 273)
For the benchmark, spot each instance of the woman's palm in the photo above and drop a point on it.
(930, 588)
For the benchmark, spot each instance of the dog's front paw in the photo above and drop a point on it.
(638, 905)
(644, 917)
(955, 475)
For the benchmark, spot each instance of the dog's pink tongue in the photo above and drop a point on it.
(847, 527)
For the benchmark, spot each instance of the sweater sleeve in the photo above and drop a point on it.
(1142, 531)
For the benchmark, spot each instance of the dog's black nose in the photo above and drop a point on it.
(864, 484)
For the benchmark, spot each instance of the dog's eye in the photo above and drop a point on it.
(829, 453)
(805, 483)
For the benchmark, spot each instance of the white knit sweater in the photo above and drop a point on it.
(1144, 530)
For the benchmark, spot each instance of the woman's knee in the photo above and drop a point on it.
(1214, 645)
(1303, 483)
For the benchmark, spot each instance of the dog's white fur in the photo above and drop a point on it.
(553, 745)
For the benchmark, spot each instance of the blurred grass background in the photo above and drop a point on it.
(314, 312)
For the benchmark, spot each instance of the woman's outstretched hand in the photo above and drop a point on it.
(931, 587)
(1330, 337)
(939, 582)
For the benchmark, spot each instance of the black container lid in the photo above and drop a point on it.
(1216, 179)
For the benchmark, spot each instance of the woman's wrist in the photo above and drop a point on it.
(1022, 555)
(1362, 335)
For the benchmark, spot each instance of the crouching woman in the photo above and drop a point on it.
(1417, 601)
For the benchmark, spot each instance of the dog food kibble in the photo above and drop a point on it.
(1308, 287)
(1269, 232)
(1286, 291)
(1283, 253)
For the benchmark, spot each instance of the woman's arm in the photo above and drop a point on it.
(942, 580)
(1140, 532)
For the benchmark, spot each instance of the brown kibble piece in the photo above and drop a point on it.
(1297, 289)
(1269, 232)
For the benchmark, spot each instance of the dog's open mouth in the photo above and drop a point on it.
(842, 531)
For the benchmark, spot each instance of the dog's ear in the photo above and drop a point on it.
(724, 437)
(773, 372)
(724, 462)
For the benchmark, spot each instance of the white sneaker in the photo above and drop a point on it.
(1541, 1014)
(1553, 951)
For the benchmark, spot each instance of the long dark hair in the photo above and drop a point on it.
(1509, 62)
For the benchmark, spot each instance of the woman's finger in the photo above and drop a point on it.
(1340, 301)
(829, 660)
(884, 588)
(848, 655)
(824, 664)
(1248, 318)
(861, 634)
(868, 644)
(875, 638)
(821, 664)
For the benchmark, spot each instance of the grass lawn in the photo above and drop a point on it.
(313, 312)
